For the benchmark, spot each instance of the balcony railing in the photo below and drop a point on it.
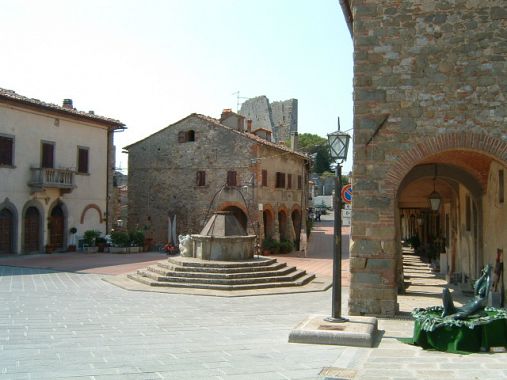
(45, 178)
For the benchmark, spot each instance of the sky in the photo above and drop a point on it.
(151, 63)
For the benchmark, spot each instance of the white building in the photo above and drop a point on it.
(56, 167)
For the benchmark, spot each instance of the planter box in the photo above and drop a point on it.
(133, 249)
(91, 249)
(117, 249)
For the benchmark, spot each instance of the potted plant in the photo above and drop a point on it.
(48, 248)
(72, 245)
(89, 238)
(101, 243)
(120, 241)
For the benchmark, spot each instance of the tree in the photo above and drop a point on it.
(316, 146)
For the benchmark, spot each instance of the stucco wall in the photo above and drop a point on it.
(29, 128)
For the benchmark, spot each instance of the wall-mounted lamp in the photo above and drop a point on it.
(435, 198)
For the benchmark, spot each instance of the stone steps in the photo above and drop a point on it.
(258, 273)
(279, 270)
(299, 282)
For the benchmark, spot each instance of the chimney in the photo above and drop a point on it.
(249, 126)
(225, 113)
(294, 141)
(67, 103)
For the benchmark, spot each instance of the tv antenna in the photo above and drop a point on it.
(238, 102)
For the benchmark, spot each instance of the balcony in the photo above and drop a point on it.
(49, 178)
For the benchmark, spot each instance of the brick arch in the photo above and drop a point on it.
(239, 205)
(88, 207)
(481, 143)
(268, 207)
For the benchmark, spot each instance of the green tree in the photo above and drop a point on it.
(316, 146)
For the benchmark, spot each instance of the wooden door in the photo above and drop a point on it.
(56, 222)
(6, 231)
(32, 230)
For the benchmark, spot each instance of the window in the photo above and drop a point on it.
(501, 187)
(6, 150)
(231, 178)
(280, 180)
(289, 181)
(186, 136)
(300, 182)
(200, 178)
(48, 155)
(82, 160)
(264, 178)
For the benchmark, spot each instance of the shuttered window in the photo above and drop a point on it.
(300, 182)
(6, 150)
(264, 178)
(280, 180)
(82, 160)
(231, 178)
(200, 178)
(289, 181)
(48, 155)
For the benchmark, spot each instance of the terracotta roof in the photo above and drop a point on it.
(250, 136)
(12, 96)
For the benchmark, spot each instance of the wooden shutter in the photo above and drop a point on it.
(289, 181)
(201, 178)
(182, 137)
(231, 178)
(47, 155)
(6, 145)
(300, 182)
(264, 178)
(82, 160)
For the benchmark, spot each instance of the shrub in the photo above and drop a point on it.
(271, 245)
(286, 246)
(136, 238)
(90, 237)
(309, 226)
(120, 238)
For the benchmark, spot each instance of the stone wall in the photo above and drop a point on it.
(162, 177)
(429, 76)
(280, 117)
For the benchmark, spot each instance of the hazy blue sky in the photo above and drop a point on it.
(150, 63)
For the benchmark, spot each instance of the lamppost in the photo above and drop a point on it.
(338, 147)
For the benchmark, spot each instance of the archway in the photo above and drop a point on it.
(268, 223)
(6, 231)
(282, 225)
(453, 237)
(56, 227)
(239, 214)
(296, 222)
(32, 230)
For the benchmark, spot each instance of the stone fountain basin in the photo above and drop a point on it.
(223, 248)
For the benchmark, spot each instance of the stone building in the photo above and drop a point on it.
(280, 118)
(430, 82)
(199, 165)
(56, 173)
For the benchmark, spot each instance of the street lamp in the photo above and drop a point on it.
(338, 148)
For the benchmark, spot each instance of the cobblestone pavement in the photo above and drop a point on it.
(74, 325)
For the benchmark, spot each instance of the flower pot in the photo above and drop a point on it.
(117, 250)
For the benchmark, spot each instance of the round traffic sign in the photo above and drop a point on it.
(347, 193)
